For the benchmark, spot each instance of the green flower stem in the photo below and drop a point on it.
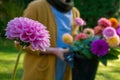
(16, 64)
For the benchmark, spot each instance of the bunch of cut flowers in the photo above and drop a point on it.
(101, 42)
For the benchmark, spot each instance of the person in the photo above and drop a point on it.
(57, 16)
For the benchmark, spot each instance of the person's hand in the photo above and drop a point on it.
(17, 45)
(59, 52)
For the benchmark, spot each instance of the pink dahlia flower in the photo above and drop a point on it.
(80, 36)
(28, 31)
(79, 22)
(104, 22)
(109, 32)
(98, 30)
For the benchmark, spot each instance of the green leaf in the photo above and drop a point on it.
(77, 42)
(104, 61)
(87, 53)
(118, 48)
(73, 48)
(80, 46)
(95, 38)
(114, 51)
(86, 41)
(111, 56)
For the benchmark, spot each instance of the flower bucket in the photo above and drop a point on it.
(84, 68)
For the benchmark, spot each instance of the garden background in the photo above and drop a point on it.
(90, 10)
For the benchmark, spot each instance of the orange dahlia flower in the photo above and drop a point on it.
(114, 22)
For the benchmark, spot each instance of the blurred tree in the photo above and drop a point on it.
(23, 3)
(92, 10)
(10, 9)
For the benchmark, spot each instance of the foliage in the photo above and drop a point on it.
(83, 47)
(92, 10)
(10, 9)
(23, 3)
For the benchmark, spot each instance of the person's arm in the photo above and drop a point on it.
(59, 52)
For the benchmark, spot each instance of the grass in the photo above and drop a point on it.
(109, 72)
(8, 55)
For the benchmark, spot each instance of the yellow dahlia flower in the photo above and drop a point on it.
(114, 41)
(67, 38)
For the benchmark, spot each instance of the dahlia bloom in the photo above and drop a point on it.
(89, 32)
(118, 30)
(28, 31)
(104, 22)
(114, 41)
(67, 38)
(109, 32)
(114, 22)
(79, 22)
(99, 47)
(80, 36)
(98, 30)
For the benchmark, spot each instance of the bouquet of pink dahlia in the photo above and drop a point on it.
(28, 33)
(101, 43)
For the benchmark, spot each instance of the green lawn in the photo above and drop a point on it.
(8, 55)
(110, 72)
